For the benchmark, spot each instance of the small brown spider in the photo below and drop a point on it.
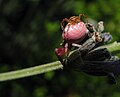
(72, 20)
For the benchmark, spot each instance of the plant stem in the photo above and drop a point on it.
(30, 71)
(115, 46)
(45, 67)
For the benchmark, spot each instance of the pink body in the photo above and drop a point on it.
(74, 33)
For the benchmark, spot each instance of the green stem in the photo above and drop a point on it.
(45, 67)
(115, 46)
(30, 71)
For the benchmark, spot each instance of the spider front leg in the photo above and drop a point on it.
(62, 23)
(80, 16)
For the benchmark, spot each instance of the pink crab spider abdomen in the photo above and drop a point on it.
(74, 33)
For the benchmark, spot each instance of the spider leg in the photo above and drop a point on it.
(80, 16)
(62, 23)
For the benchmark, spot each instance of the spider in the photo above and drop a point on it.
(73, 20)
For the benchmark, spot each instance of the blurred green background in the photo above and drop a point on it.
(29, 33)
